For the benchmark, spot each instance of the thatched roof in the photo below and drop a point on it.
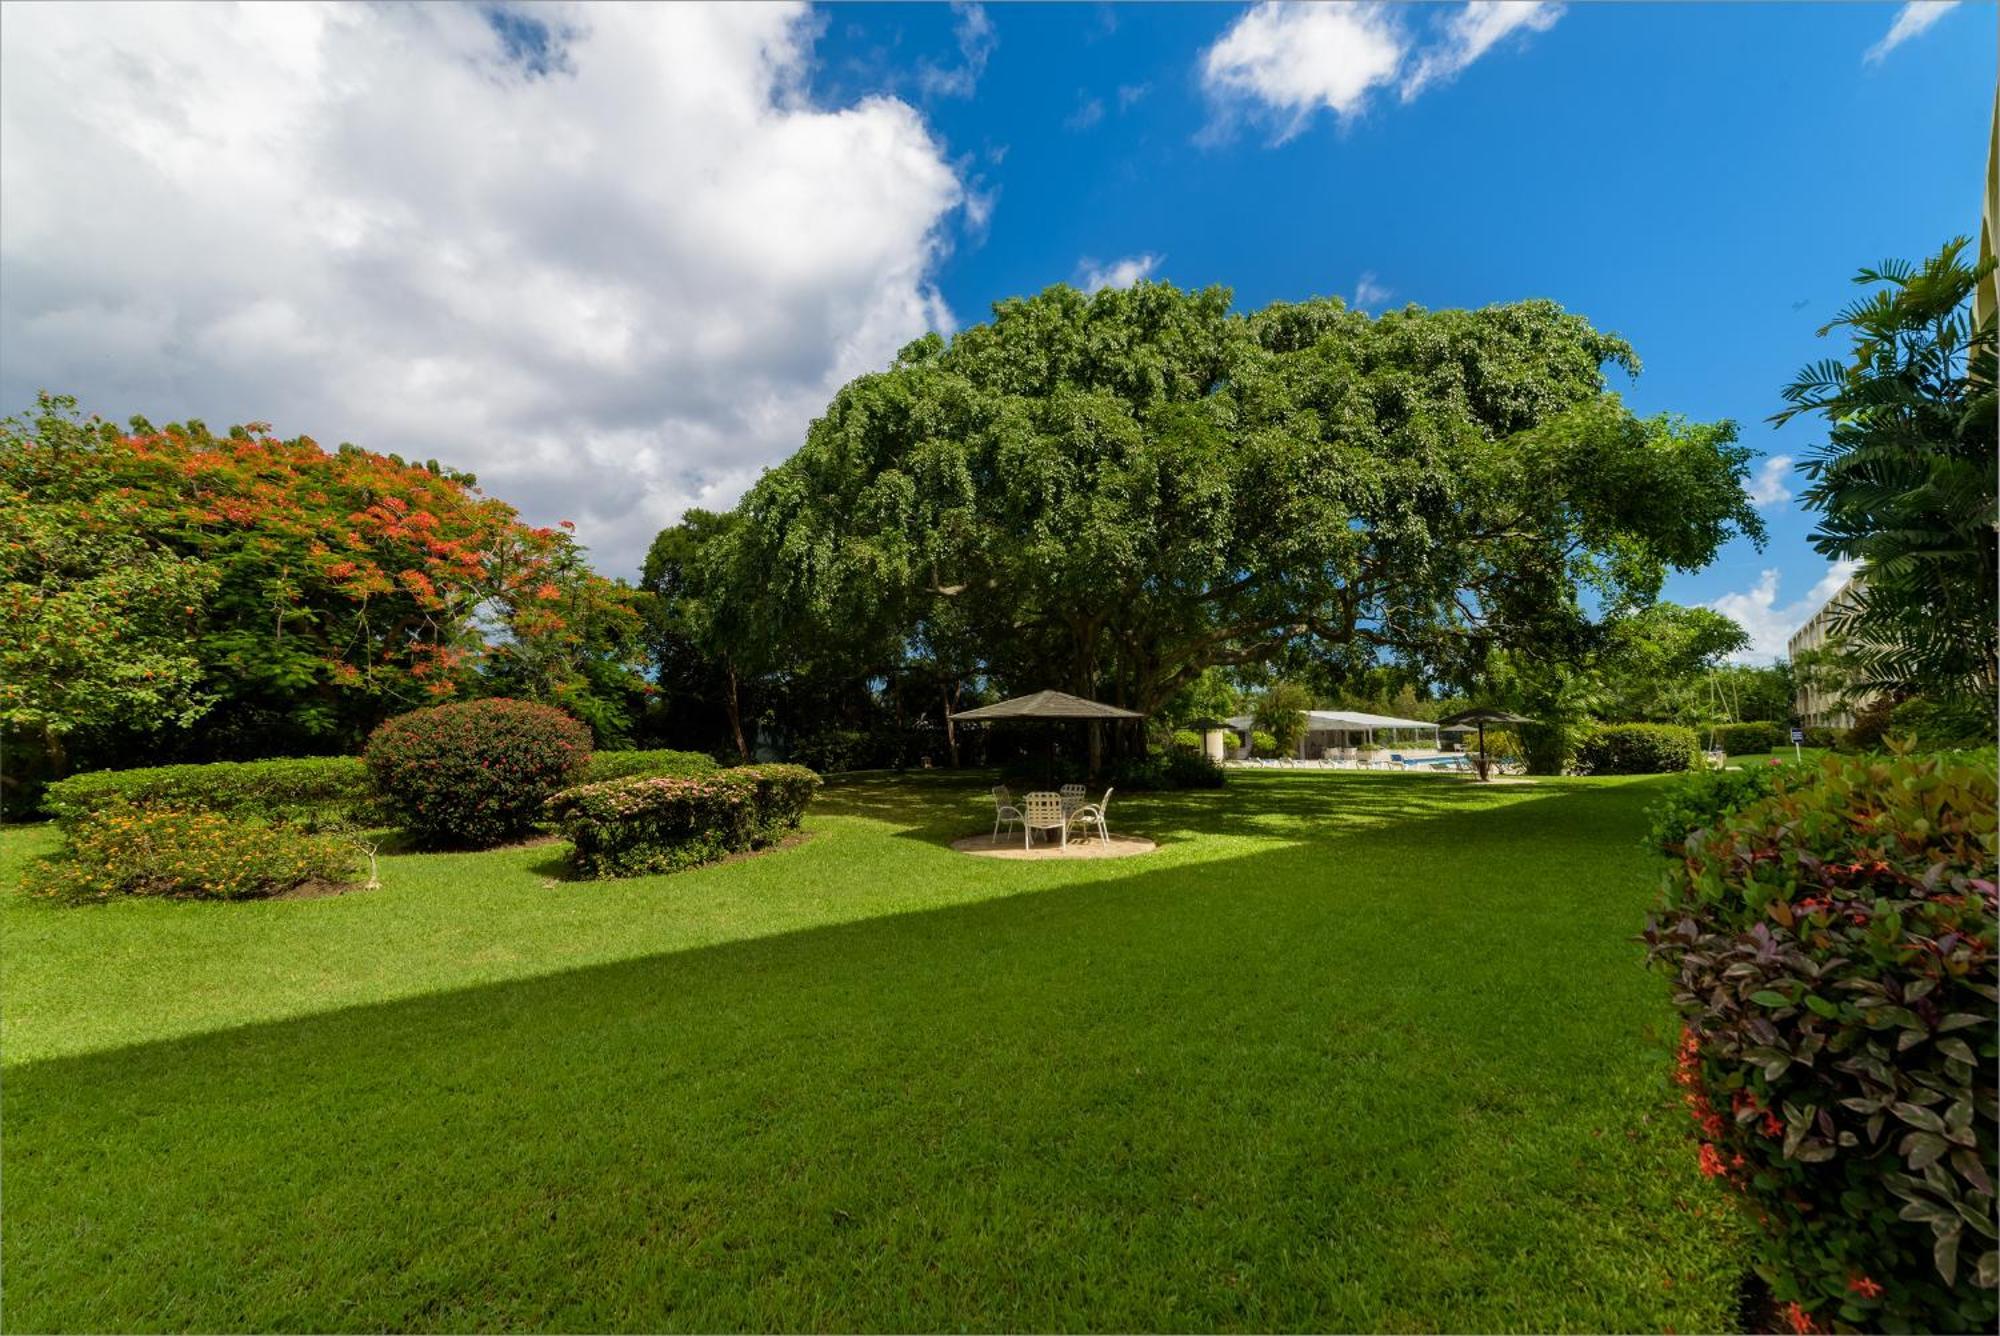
(1044, 705)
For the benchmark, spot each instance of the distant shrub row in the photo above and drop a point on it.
(1638, 749)
(664, 823)
(1830, 931)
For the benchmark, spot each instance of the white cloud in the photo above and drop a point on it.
(1911, 20)
(1771, 624)
(1286, 62)
(976, 40)
(1473, 31)
(1095, 277)
(615, 271)
(1369, 292)
(1296, 59)
(1768, 488)
(1089, 111)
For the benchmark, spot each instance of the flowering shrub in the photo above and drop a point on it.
(1831, 946)
(318, 792)
(609, 765)
(196, 855)
(476, 773)
(1638, 749)
(629, 827)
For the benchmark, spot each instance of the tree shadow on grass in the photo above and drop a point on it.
(1255, 1092)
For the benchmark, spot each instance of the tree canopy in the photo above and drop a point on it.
(241, 594)
(1906, 480)
(1111, 494)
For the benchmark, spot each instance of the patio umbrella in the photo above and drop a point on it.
(1046, 707)
(1481, 718)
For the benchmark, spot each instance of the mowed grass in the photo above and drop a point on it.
(1350, 1051)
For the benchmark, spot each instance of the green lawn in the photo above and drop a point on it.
(1350, 1051)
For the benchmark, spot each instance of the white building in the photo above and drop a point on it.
(1818, 702)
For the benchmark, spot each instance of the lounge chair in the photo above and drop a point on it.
(1092, 814)
(1004, 811)
(1044, 812)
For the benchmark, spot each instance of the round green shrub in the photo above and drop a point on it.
(1749, 739)
(1831, 946)
(1638, 749)
(1186, 740)
(474, 774)
(1263, 744)
(125, 850)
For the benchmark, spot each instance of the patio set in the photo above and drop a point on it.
(1050, 810)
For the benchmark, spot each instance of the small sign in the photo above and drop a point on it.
(1798, 736)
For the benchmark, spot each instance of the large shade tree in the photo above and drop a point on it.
(1110, 494)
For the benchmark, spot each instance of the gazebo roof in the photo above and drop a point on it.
(1045, 705)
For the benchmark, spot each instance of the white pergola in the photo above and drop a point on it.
(1347, 725)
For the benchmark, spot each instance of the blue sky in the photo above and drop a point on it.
(1701, 179)
(615, 258)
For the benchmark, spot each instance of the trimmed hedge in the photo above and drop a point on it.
(158, 851)
(1831, 946)
(1638, 749)
(1750, 739)
(475, 773)
(609, 765)
(316, 792)
(1164, 771)
(664, 823)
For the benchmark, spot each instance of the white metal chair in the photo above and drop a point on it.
(1044, 812)
(1072, 797)
(1092, 814)
(1004, 811)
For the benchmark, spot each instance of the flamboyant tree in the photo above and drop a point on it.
(1114, 493)
(281, 596)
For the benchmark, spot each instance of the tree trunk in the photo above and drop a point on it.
(735, 710)
(951, 729)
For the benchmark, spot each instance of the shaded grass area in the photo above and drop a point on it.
(1350, 1051)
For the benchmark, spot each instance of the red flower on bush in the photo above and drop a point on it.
(1864, 1287)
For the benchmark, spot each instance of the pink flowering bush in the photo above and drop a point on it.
(1831, 945)
(475, 774)
(663, 823)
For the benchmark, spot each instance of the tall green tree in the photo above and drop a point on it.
(1906, 480)
(1121, 491)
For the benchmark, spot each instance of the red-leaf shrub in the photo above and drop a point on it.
(1831, 945)
(124, 850)
(474, 774)
(629, 827)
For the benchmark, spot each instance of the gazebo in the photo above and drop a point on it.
(1057, 707)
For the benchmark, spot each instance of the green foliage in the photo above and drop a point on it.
(1186, 740)
(1206, 702)
(1655, 664)
(631, 827)
(1832, 950)
(1906, 482)
(1551, 748)
(1749, 739)
(1638, 749)
(1931, 724)
(475, 773)
(1818, 737)
(833, 750)
(609, 765)
(1280, 710)
(197, 855)
(1699, 799)
(175, 590)
(1115, 493)
(1263, 744)
(315, 792)
(1165, 771)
